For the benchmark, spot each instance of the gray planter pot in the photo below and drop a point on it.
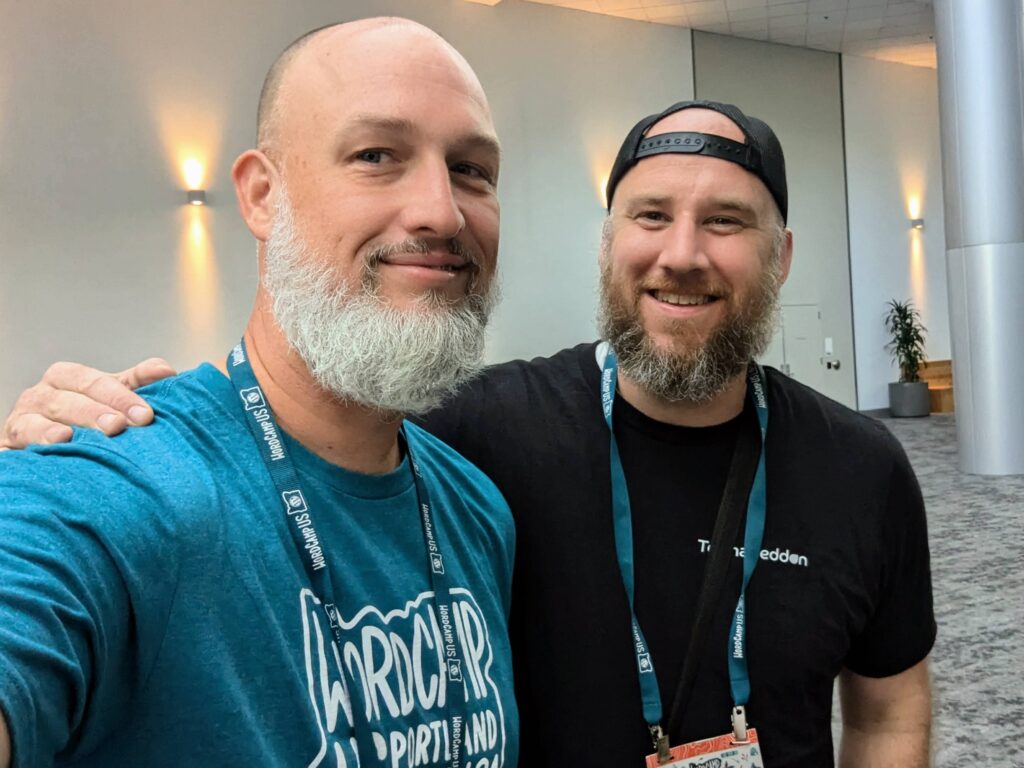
(909, 399)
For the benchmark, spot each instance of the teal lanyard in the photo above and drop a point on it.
(739, 678)
(312, 549)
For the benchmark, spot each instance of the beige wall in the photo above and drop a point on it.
(797, 92)
(101, 262)
(894, 167)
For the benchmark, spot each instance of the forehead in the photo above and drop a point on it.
(392, 72)
(699, 120)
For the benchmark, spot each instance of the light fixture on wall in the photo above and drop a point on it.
(193, 169)
(917, 223)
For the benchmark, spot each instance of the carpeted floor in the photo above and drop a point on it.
(975, 530)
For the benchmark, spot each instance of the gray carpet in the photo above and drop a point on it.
(978, 578)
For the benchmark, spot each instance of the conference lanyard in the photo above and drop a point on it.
(739, 678)
(312, 549)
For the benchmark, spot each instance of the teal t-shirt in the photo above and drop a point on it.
(154, 609)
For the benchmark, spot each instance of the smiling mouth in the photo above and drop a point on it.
(683, 299)
(451, 269)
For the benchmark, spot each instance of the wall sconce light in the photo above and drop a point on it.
(917, 223)
(193, 172)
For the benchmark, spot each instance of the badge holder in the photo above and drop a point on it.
(739, 749)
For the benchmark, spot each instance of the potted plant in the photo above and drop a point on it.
(908, 396)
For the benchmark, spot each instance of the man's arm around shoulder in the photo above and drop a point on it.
(886, 720)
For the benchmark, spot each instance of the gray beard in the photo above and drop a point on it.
(701, 371)
(356, 346)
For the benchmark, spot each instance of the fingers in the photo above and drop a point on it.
(146, 372)
(99, 395)
(28, 428)
(70, 394)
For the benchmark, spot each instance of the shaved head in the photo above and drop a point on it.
(386, 30)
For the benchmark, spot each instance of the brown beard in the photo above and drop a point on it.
(691, 371)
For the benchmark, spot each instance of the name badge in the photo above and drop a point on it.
(717, 752)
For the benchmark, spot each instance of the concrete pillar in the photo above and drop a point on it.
(981, 105)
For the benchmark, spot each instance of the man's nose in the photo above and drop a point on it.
(683, 248)
(431, 208)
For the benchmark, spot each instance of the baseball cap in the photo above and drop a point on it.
(761, 154)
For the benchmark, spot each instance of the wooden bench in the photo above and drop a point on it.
(939, 375)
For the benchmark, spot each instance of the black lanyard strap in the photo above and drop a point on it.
(727, 525)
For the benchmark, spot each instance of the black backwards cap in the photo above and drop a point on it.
(761, 154)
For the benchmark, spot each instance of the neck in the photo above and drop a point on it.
(726, 405)
(341, 432)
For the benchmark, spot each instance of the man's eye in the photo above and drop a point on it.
(724, 222)
(652, 216)
(473, 171)
(375, 156)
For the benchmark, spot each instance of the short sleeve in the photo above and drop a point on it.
(902, 629)
(65, 611)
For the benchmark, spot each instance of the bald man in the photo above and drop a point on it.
(281, 571)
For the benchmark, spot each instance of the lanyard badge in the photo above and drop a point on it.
(724, 749)
(743, 740)
(312, 548)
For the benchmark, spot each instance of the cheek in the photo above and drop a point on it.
(631, 256)
(483, 226)
(740, 265)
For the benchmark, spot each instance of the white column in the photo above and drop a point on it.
(981, 105)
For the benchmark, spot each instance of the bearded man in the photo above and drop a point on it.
(703, 546)
(280, 571)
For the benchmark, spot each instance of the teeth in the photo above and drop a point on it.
(681, 299)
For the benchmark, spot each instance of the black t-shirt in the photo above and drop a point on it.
(843, 578)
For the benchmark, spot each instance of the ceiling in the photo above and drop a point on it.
(893, 30)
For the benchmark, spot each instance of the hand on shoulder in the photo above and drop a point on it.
(74, 395)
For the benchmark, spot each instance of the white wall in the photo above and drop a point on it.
(893, 157)
(100, 261)
(796, 91)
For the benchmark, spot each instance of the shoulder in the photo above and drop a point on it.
(820, 448)
(451, 469)
(801, 410)
(165, 466)
(460, 483)
(512, 396)
(567, 368)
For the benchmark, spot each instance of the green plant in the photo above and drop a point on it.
(903, 322)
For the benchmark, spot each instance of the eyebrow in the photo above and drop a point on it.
(654, 201)
(734, 205)
(401, 125)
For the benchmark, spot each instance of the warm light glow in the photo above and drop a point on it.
(198, 292)
(190, 130)
(599, 146)
(197, 235)
(914, 206)
(918, 276)
(193, 171)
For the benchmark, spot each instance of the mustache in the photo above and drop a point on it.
(454, 246)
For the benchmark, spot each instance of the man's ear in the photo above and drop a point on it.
(786, 257)
(256, 183)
